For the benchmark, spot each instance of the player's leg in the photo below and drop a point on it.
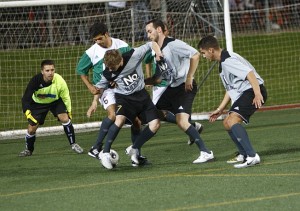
(38, 114)
(29, 141)
(108, 102)
(149, 113)
(241, 111)
(112, 133)
(59, 110)
(182, 107)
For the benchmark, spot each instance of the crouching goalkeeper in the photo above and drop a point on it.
(47, 91)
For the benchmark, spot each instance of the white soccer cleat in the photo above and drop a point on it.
(250, 161)
(204, 157)
(133, 153)
(106, 160)
(77, 148)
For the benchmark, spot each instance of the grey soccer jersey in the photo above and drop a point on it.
(177, 54)
(129, 78)
(233, 72)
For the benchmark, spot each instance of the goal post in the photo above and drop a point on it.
(34, 30)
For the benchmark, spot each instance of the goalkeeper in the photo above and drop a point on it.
(47, 91)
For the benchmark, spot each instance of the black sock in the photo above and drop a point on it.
(111, 136)
(170, 117)
(145, 135)
(237, 143)
(242, 137)
(105, 125)
(193, 133)
(69, 131)
(30, 139)
(135, 132)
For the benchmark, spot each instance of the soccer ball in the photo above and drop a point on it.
(114, 157)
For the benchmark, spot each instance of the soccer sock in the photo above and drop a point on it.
(170, 117)
(135, 132)
(111, 136)
(242, 137)
(237, 144)
(30, 139)
(145, 135)
(193, 133)
(69, 131)
(105, 125)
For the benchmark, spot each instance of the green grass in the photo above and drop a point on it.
(55, 178)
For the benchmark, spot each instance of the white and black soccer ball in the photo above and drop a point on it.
(114, 157)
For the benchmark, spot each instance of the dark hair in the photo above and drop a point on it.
(208, 42)
(47, 62)
(157, 23)
(98, 28)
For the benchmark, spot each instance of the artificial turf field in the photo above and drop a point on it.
(55, 178)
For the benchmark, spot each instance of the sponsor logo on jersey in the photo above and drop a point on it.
(131, 81)
(43, 96)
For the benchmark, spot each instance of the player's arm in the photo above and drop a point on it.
(27, 98)
(64, 94)
(92, 109)
(87, 82)
(218, 112)
(258, 98)
(194, 61)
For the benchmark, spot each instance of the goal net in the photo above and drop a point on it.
(266, 34)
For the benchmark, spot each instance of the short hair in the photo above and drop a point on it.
(157, 23)
(112, 58)
(47, 62)
(98, 28)
(208, 42)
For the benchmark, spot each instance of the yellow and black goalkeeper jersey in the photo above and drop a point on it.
(38, 91)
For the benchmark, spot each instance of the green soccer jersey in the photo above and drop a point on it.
(93, 59)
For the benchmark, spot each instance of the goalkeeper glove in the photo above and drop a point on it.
(30, 117)
(70, 115)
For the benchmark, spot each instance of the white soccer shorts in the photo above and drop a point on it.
(157, 92)
(107, 98)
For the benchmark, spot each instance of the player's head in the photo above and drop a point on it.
(99, 33)
(209, 47)
(113, 59)
(155, 29)
(48, 69)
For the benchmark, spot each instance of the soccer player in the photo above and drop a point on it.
(131, 97)
(245, 89)
(158, 89)
(93, 59)
(47, 91)
(182, 61)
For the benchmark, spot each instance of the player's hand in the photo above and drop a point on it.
(214, 115)
(30, 117)
(94, 90)
(258, 101)
(70, 115)
(92, 109)
(189, 84)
